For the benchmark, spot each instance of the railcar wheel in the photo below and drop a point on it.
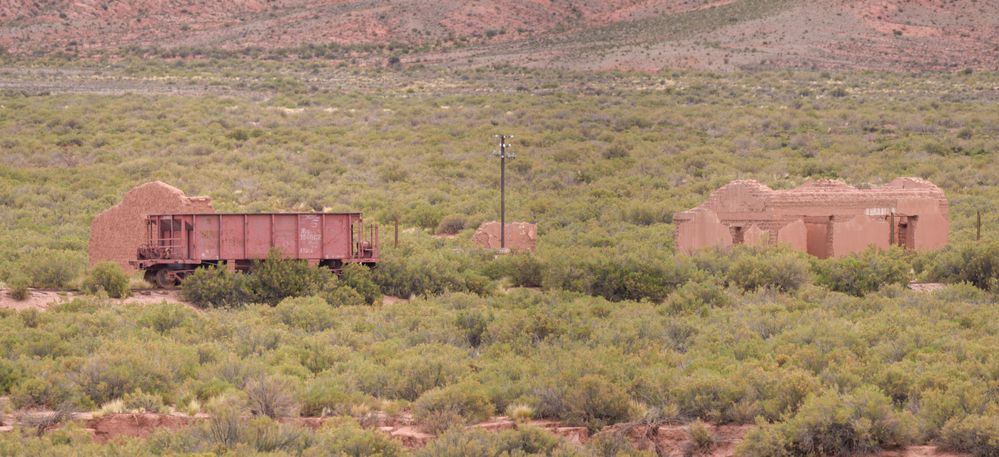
(163, 279)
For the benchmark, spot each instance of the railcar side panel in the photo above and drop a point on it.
(336, 238)
(309, 235)
(258, 235)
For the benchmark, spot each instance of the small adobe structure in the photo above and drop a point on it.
(117, 233)
(520, 236)
(825, 218)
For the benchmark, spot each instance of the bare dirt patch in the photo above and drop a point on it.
(671, 440)
(42, 299)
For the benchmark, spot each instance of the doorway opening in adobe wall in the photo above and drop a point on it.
(817, 236)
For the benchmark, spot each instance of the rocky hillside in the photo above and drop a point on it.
(580, 34)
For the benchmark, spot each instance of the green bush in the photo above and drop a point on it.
(361, 279)
(697, 296)
(595, 402)
(277, 278)
(345, 437)
(145, 402)
(782, 270)
(524, 270)
(53, 268)
(310, 314)
(474, 323)
(44, 393)
(431, 272)
(10, 375)
(974, 434)
(862, 422)
(477, 442)
(438, 409)
(327, 396)
(618, 278)
(342, 295)
(859, 274)
(451, 225)
(701, 438)
(18, 284)
(271, 396)
(215, 287)
(109, 277)
(976, 263)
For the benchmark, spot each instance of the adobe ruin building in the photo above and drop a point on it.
(520, 236)
(825, 218)
(117, 233)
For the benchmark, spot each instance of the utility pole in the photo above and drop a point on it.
(503, 155)
(978, 225)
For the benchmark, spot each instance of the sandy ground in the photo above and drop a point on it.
(42, 299)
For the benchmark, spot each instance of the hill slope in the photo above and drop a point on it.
(585, 34)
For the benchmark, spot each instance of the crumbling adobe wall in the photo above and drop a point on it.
(793, 235)
(700, 228)
(117, 233)
(855, 234)
(520, 236)
(824, 217)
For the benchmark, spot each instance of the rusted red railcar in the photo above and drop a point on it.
(177, 244)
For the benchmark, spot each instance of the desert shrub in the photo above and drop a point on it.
(438, 409)
(152, 365)
(778, 269)
(424, 367)
(595, 402)
(975, 434)
(424, 216)
(527, 440)
(18, 284)
(311, 314)
(695, 296)
(708, 395)
(10, 375)
(271, 396)
(614, 445)
(53, 267)
(164, 317)
(264, 434)
(619, 278)
(276, 278)
(461, 442)
(859, 274)
(834, 424)
(701, 438)
(520, 412)
(524, 270)
(474, 322)
(345, 437)
(451, 224)
(342, 295)
(225, 426)
(47, 393)
(141, 401)
(326, 396)
(214, 287)
(477, 442)
(976, 263)
(433, 272)
(109, 277)
(361, 279)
